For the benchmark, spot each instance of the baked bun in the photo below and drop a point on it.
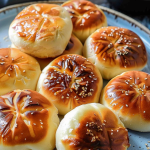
(70, 81)
(115, 50)
(128, 96)
(28, 121)
(91, 127)
(86, 17)
(74, 47)
(41, 30)
(17, 70)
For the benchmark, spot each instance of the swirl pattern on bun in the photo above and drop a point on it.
(27, 121)
(41, 30)
(115, 50)
(69, 81)
(128, 96)
(91, 126)
(17, 70)
(86, 17)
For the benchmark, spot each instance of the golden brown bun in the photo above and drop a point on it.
(74, 47)
(91, 127)
(115, 50)
(17, 70)
(127, 95)
(70, 81)
(41, 30)
(86, 17)
(28, 121)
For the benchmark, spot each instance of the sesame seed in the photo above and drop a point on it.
(24, 71)
(126, 105)
(143, 111)
(145, 78)
(9, 75)
(139, 45)
(2, 63)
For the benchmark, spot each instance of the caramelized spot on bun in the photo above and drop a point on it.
(127, 95)
(91, 126)
(39, 28)
(114, 48)
(17, 70)
(69, 81)
(27, 120)
(86, 17)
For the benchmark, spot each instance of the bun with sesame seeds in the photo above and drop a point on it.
(17, 70)
(115, 50)
(69, 81)
(28, 121)
(91, 126)
(41, 30)
(86, 17)
(128, 96)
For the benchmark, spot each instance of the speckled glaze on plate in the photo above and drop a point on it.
(138, 140)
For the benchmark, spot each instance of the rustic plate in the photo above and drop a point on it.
(138, 140)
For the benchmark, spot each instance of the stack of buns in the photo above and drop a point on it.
(49, 37)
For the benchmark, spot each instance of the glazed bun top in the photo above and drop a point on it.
(69, 81)
(86, 17)
(26, 119)
(121, 47)
(91, 126)
(115, 50)
(128, 95)
(39, 28)
(17, 70)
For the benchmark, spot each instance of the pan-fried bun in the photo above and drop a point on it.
(28, 121)
(128, 96)
(91, 126)
(17, 70)
(41, 30)
(115, 50)
(69, 81)
(86, 17)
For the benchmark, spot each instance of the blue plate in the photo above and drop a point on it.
(138, 140)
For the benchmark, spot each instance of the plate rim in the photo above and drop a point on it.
(106, 9)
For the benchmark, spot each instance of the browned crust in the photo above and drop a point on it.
(129, 93)
(17, 109)
(95, 132)
(13, 63)
(72, 80)
(84, 14)
(121, 47)
(38, 21)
